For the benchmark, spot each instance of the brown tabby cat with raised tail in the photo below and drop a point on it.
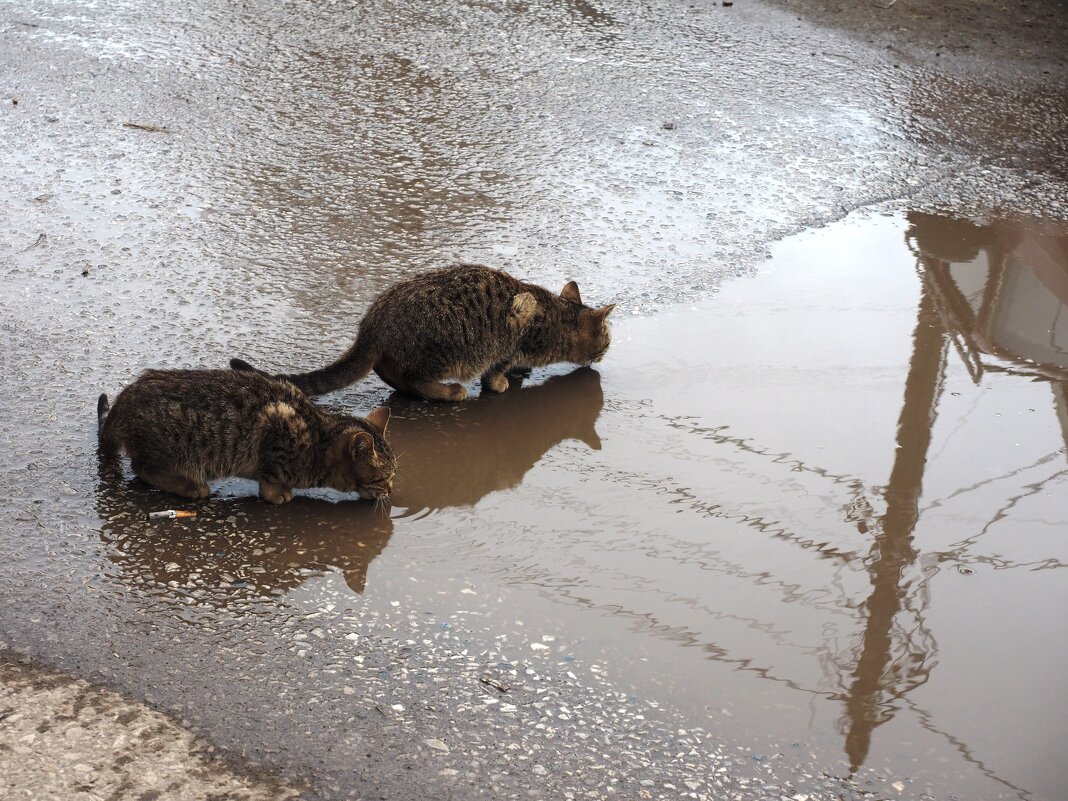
(184, 428)
(459, 323)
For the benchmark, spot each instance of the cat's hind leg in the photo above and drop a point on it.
(431, 390)
(435, 390)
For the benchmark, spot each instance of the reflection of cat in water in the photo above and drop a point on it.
(451, 456)
(266, 552)
(455, 456)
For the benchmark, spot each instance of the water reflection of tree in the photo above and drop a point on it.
(896, 657)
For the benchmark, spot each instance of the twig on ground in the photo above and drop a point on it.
(140, 127)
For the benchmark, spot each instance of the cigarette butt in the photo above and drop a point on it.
(171, 514)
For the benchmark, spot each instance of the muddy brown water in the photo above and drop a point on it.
(821, 513)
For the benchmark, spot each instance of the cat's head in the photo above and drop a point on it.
(589, 334)
(364, 461)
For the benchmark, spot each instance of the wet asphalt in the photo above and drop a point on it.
(186, 182)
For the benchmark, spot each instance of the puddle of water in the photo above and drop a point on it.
(820, 514)
(789, 516)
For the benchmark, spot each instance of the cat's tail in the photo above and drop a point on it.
(108, 444)
(353, 365)
(102, 409)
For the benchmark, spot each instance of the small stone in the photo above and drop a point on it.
(436, 744)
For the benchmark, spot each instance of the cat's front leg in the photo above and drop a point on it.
(275, 493)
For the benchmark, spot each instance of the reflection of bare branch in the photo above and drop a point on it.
(1003, 511)
(986, 481)
(686, 637)
(960, 558)
(743, 444)
(773, 527)
(690, 555)
(926, 720)
(856, 486)
(961, 422)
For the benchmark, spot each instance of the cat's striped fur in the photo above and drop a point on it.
(184, 428)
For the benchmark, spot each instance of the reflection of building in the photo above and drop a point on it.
(1002, 294)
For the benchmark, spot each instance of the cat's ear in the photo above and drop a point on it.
(363, 444)
(570, 292)
(379, 418)
(602, 313)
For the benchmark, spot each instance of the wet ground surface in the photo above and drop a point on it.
(798, 537)
(1027, 39)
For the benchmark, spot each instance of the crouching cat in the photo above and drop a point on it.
(459, 323)
(184, 428)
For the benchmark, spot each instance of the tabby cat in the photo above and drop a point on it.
(459, 323)
(184, 428)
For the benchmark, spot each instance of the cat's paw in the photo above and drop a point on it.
(200, 491)
(495, 383)
(275, 495)
(456, 392)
